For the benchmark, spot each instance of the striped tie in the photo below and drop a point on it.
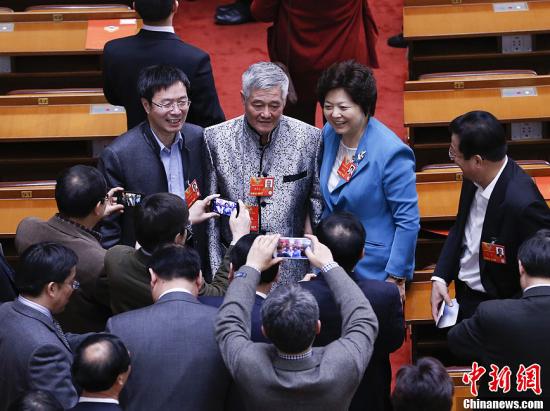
(60, 333)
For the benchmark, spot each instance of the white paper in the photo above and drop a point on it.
(447, 315)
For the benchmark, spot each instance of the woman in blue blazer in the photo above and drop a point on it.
(368, 171)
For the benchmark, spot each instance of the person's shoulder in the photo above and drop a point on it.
(385, 139)
(118, 44)
(120, 252)
(380, 293)
(231, 127)
(192, 133)
(518, 181)
(300, 128)
(30, 222)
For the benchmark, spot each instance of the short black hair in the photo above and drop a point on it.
(289, 317)
(355, 78)
(344, 235)
(43, 263)
(239, 254)
(479, 132)
(153, 79)
(176, 261)
(158, 219)
(98, 361)
(424, 386)
(36, 400)
(153, 10)
(78, 190)
(534, 254)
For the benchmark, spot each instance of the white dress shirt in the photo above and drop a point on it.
(173, 166)
(93, 399)
(35, 306)
(175, 290)
(166, 29)
(469, 261)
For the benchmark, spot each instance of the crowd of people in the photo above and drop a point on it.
(168, 304)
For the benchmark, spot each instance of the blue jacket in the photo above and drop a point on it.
(382, 194)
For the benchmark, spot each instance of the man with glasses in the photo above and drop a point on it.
(36, 354)
(161, 154)
(500, 206)
(83, 200)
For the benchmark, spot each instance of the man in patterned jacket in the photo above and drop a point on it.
(267, 160)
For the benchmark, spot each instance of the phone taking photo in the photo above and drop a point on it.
(128, 198)
(223, 207)
(292, 248)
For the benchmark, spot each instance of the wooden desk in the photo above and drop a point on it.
(430, 106)
(38, 140)
(468, 36)
(48, 50)
(13, 211)
(21, 5)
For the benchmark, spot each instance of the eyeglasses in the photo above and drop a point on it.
(75, 285)
(181, 104)
(452, 154)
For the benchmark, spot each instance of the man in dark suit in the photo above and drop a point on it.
(514, 332)
(162, 154)
(176, 363)
(157, 43)
(500, 206)
(100, 368)
(345, 236)
(237, 258)
(35, 352)
(83, 200)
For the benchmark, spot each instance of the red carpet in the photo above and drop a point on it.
(234, 48)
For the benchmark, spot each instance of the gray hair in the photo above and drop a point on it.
(289, 317)
(264, 75)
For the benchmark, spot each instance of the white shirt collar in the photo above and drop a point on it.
(486, 193)
(175, 290)
(35, 306)
(178, 140)
(166, 29)
(264, 296)
(536, 285)
(93, 399)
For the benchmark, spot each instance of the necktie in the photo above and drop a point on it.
(60, 332)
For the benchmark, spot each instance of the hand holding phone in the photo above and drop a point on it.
(224, 207)
(128, 198)
(292, 248)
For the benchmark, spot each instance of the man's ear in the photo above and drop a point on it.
(243, 99)
(199, 280)
(318, 327)
(99, 208)
(154, 277)
(146, 105)
(263, 332)
(179, 239)
(522, 271)
(175, 6)
(51, 289)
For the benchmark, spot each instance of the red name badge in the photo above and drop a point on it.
(254, 212)
(346, 169)
(192, 193)
(495, 253)
(262, 186)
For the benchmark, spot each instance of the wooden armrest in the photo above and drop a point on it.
(54, 91)
(77, 7)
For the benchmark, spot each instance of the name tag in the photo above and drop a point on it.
(262, 186)
(192, 193)
(494, 253)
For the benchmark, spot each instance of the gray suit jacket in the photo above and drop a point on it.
(176, 363)
(234, 155)
(88, 308)
(325, 381)
(33, 356)
(132, 161)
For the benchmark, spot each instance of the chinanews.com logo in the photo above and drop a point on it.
(527, 380)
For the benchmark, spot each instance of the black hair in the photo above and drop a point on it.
(344, 235)
(176, 261)
(424, 386)
(41, 264)
(98, 361)
(289, 317)
(78, 190)
(239, 254)
(154, 10)
(534, 254)
(158, 219)
(36, 400)
(355, 78)
(153, 79)
(479, 132)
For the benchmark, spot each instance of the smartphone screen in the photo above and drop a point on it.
(128, 198)
(292, 247)
(224, 207)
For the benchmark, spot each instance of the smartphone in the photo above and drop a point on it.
(223, 207)
(128, 198)
(292, 248)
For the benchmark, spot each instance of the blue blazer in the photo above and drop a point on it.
(382, 194)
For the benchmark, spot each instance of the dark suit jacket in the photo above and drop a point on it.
(133, 161)
(374, 391)
(176, 362)
(124, 58)
(96, 406)
(516, 210)
(256, 315)
(508, 332)
(34, 356)
(7, 281)
(88, 308)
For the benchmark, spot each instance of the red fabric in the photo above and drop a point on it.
(309, 35)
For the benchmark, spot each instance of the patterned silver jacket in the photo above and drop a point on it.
(292, 157)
